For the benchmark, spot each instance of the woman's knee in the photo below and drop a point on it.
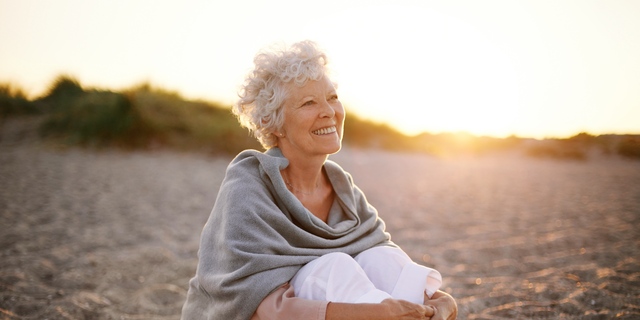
(337, 258)
(325, 265)
(383, 253)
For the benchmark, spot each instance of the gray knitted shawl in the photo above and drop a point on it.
(259, 235)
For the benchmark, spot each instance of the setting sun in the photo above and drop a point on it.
(446, 77)
(494, 68)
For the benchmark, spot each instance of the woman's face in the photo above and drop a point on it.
(314, 120)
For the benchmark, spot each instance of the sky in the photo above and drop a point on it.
(531, 68)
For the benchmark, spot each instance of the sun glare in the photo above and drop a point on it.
(434, 72)
(498, 68)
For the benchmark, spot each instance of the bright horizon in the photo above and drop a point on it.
(498, 68)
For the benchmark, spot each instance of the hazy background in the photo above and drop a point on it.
(518, 227)
(529, 68)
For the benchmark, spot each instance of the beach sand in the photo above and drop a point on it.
(114, 235)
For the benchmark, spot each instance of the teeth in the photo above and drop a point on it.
(325, 131)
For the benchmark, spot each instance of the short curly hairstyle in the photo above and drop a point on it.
(264, 90)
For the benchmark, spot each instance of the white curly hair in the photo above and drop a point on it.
(265, 88)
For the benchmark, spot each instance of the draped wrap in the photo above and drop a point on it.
(259, 235)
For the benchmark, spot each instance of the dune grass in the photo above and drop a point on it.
(148, 117)
(91, 118)
(13, 101)
(140, 117)
(171, 120)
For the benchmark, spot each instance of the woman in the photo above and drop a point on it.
(290, 236)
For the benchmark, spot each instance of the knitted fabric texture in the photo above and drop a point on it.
(259, 235)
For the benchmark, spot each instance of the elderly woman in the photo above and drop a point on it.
(290, 235)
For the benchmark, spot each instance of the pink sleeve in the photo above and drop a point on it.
(283, 304)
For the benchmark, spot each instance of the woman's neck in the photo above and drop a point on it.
(304, 176)
(307, 180)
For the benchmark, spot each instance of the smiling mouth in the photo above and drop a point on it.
(324, 131)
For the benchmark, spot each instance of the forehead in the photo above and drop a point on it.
(311, 87)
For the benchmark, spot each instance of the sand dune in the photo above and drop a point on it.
(114, 235)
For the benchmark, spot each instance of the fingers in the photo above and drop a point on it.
(429, 311)
(444, 305)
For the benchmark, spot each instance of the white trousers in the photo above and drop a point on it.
(372, 276)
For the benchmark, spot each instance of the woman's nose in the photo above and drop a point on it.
(327, 110)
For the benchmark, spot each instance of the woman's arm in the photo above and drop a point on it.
(387, 309)
(283, 304)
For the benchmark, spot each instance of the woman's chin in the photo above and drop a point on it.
(334, 152)
(334, 146)
(334, 149)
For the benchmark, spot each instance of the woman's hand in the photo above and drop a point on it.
(400, 309)
(385, 310)
(444, 304)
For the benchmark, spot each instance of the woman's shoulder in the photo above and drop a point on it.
(245, 163)
(250, 156)
(336, 172)
(245, 155)
(250, 164)
(243, 177)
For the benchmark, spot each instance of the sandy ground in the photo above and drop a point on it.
(114, 235)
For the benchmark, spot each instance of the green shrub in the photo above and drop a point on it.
(63, 91)
(91, 118)
(14, 101)
(183, 124)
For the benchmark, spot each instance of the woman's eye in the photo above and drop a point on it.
(308, 103)
(333, 97)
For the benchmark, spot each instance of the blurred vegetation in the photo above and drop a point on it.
(574, 148)
(13, 101)
(142, 117)
(87, 117)
(447, 144)
(168, 119)
(629, 147)
(584, 145)
(366, 134)
(147, 117)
